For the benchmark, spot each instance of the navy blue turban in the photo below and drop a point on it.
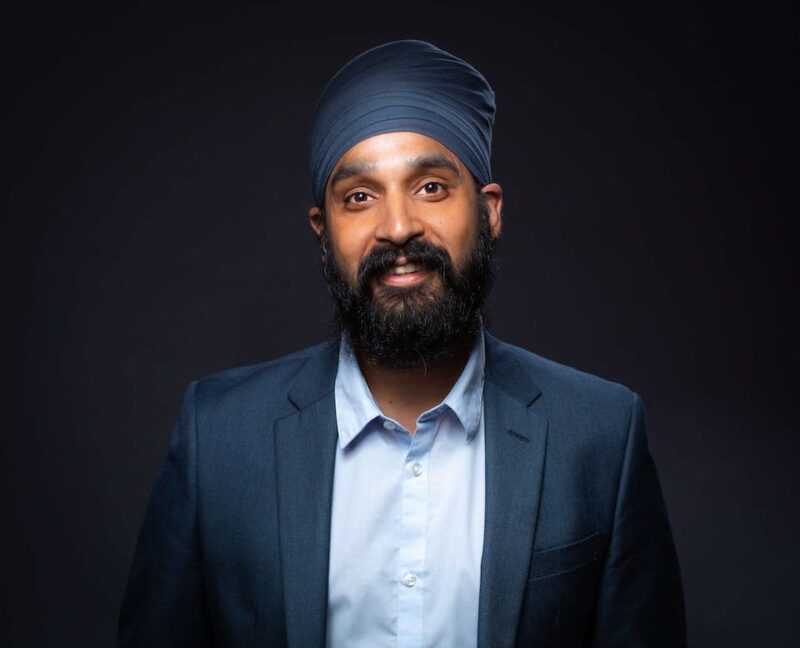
(406, 85)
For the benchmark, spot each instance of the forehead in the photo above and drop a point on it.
(394, 152)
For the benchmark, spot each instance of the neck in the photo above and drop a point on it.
(403, 394)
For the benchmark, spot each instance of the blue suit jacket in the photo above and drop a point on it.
(233, 550)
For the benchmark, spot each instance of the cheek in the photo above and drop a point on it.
(460, 237)
(348, 247)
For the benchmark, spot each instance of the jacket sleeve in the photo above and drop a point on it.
(640, 601)
(164, 602)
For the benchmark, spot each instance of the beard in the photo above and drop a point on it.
(400, 327)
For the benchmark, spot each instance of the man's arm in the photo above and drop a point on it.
(164, 602)
(640, 602)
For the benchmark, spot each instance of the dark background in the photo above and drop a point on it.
(154, 230)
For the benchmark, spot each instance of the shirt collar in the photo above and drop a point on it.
(356, 408)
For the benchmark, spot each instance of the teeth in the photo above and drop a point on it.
(405, 269)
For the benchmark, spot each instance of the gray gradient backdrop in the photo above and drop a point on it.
(154, 231)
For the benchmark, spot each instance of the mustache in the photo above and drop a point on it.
(418, 251)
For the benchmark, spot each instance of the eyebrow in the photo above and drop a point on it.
(434, 161)
(359, 167)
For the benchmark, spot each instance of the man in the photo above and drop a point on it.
(416, 482)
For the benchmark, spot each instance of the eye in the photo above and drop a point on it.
(434, 189)
(356, 197)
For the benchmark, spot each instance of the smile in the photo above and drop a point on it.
(405, 269)
(406, 274)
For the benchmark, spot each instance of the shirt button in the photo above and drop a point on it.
(409, 580)
(388, 425)
(416, 469)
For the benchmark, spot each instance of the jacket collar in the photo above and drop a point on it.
(317, 377)
(315, 380)
(504, 369)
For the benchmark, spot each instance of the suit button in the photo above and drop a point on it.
(409, 580)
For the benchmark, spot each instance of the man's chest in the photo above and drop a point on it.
(407, 524)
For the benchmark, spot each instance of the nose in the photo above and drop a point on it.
(398, 222)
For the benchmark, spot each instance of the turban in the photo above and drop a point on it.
(406, 85)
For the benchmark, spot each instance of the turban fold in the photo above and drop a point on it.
(406, 85)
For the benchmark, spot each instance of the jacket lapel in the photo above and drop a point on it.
(515, 451)
(305, 451)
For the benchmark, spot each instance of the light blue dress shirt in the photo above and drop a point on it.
(407, 517)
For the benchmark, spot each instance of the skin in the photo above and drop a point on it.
(395, 187)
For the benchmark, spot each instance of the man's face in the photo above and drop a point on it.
(407, 246)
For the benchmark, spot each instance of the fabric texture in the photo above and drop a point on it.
(406, 85)
(235, 545)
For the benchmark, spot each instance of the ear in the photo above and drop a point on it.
(493, 194)
(317, 220)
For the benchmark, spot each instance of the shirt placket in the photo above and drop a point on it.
(412, 577)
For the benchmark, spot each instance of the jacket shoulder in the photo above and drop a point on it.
(269, 380)
(567, 388)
